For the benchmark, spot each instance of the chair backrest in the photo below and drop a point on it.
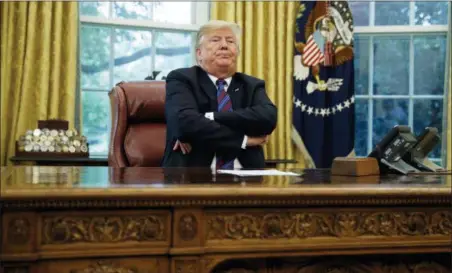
(138, 129)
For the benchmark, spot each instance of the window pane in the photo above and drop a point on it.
(173, 12)
(429, 64)
(173, 51)
(432, 116)
(392, 13)
(95, 57)
(391, 65)
(360, 12)
(387, 114)
(133, 10)
(132, 55)
(99, 9)
(439, 162)
(430, 13)
(361, 64)
(96, 121)
(361, 125)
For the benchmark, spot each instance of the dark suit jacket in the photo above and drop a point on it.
(190, 93)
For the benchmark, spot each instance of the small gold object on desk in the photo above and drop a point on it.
(354, 166)
(52, 138)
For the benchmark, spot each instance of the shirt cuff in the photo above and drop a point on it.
(245, 139)
(209, 115)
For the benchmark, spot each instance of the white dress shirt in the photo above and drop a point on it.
(210, 116)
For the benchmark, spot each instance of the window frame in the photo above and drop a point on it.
(200, 16)
(412, 30)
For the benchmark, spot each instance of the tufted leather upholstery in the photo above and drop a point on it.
(138, 124)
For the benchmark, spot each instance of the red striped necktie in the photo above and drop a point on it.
(224, 105)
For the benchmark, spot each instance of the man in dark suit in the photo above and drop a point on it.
(216, 116)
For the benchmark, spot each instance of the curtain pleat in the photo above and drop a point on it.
(38, 67)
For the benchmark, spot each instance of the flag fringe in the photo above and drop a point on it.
(300, 145)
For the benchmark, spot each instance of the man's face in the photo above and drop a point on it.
(218, 51)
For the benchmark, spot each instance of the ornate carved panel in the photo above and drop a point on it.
(186, 266)
(420, 267)
(120, 265)
(188, 226)
(358, 266)
(423, 267)
(300, 225)
(18, 231)
(104, 229)
(104, 267)
(355, 264)
(209, 263)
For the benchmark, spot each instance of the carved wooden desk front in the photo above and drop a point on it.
(143, 220)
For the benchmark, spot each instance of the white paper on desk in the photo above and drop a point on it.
(271, 172)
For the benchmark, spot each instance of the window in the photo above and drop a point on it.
(126, 41)
(400, 66)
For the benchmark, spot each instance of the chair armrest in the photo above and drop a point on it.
(118, 107)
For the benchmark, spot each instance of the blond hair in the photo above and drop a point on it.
(218, 24)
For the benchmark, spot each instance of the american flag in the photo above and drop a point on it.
(318, 128)
(312, 53)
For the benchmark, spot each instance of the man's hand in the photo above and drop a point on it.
(185, 147)
(256, 141)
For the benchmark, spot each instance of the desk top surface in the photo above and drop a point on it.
(62, 182)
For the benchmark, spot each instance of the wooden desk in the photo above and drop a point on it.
(60, 161)
(102, 161)
(143, 220)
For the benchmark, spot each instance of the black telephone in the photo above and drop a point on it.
(390, 151)
(418, 155)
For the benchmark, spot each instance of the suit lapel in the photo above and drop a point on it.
(235, 92)
(208, 87)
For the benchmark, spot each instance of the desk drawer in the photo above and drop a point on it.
(123, 265)
(104, 232)
(66, 234)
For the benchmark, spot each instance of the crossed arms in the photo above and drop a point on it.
(227, 130)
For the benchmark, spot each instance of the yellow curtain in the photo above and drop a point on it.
(267, 53)
(38, 67)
